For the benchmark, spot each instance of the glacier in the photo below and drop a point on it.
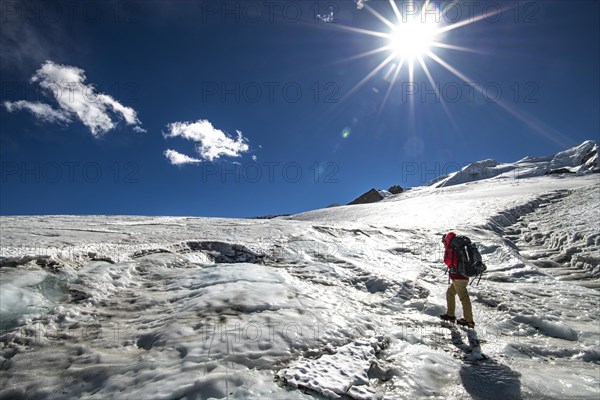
(335, 303)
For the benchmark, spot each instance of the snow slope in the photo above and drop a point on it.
(341, 302)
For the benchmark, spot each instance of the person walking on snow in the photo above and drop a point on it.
(458, 286)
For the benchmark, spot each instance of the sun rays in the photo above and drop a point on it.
(412, 35)
(411, 39)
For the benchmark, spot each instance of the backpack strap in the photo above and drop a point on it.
(478, 280)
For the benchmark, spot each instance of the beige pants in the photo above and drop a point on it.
(459, 287)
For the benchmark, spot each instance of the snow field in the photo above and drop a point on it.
(337, 302)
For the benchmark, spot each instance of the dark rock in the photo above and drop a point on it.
(589, 156)
(396, 189)
(372, 196)
(271, 216)
(559, 171)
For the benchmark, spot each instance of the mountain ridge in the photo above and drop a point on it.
(580, 159)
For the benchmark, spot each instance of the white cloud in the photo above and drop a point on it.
(41, 111)
(128, 113)
(76, 98)
(211, 143)
(177, 158)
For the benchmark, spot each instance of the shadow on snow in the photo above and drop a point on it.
(482, 377)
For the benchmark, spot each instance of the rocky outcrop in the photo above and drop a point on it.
(559, 171)
(396, 189)
(372, 196)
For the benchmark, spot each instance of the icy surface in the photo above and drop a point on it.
(346, 371)
(561, 238)
(336, 302)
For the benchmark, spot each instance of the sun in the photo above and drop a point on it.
(413, 38)
(415, 35)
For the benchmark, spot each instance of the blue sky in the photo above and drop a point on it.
(259, 105)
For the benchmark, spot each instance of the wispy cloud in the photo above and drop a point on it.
(177, 158)
(31, 32)
(75, 99)
(211, 143)
(41, 111)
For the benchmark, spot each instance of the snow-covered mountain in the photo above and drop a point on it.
(340, 303)
(577, 160)
(582, 159)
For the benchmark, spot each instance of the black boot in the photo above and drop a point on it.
(464, 322)
(446, 317)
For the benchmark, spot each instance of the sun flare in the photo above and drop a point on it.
(413, 38)
(416, 31)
